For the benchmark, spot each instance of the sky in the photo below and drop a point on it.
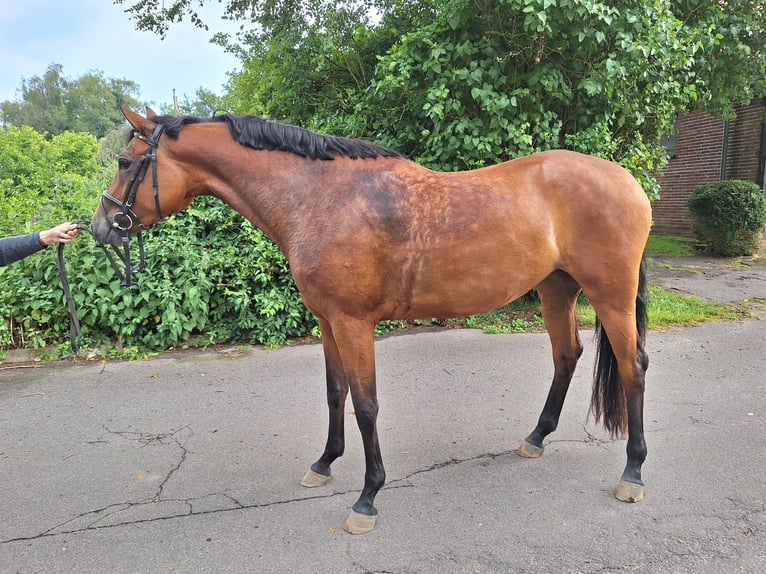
(97, 35)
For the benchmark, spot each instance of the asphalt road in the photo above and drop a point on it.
(191, 463)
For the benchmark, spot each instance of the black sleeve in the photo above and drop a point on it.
(18, 247)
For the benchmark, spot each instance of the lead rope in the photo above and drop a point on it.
(125, 279)
(74, 323)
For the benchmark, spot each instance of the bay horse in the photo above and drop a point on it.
(370, 235)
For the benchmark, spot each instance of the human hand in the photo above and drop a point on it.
(60, 234)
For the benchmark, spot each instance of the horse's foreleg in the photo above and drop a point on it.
(337, 390)
(355, 344)
(558, 295)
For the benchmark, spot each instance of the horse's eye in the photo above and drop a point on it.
(123, 163)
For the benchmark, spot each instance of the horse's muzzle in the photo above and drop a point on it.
(115, 231)
(103, 231)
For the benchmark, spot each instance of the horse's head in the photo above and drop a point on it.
(130, 204)
(143, 191)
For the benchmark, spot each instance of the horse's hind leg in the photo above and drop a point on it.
(337, 390)
(558, 295)
(618, 388)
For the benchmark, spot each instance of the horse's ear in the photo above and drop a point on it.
(139, 122)
(150, 112)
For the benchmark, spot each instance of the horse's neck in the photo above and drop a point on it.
(268, 188)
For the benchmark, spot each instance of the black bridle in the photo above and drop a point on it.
(124, 219)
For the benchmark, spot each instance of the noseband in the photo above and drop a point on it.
(124, 219)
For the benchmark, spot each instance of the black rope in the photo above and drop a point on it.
(125, 279)
(74, 323)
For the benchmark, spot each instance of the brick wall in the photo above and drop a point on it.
(745, 143)
(697, 161)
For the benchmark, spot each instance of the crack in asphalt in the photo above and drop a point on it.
(99, 515)
(149, 439)
(179, 438)
(146, 439)
(439, 465)
(121, 507)
(589, 439)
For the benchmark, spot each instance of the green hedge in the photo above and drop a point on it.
(210, 275)
(730, 216)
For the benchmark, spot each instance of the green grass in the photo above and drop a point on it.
(521, 316)
(670, 246)
(667, 310)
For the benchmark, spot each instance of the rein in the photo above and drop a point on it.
(126, 218)
(74, 323)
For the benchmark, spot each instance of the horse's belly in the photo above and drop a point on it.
(461, 286)
(460, 299)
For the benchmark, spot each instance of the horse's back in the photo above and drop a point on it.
(559, 200)
(564, 176)
(420, 243)
(554, 210)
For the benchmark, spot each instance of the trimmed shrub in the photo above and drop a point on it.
(730, 216)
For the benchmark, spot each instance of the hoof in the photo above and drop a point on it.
(313, 479)
(359, 523)
(528, 450)
(629, 491)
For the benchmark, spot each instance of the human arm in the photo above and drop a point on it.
(19, 246)
(14, 248)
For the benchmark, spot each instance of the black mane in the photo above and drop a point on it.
(257, 133)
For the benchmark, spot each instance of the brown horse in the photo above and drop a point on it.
(371, 235)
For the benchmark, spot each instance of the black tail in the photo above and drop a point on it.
(608, 399)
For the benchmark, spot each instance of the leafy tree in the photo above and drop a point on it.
(22, 150)
(53, 104)
(204, 104)
(726, 43)
(485, 81)
(462, 83)
(299, 57)
(43, 180)
(490, 80)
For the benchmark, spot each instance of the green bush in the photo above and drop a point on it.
(730, 216)
(210, 275)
